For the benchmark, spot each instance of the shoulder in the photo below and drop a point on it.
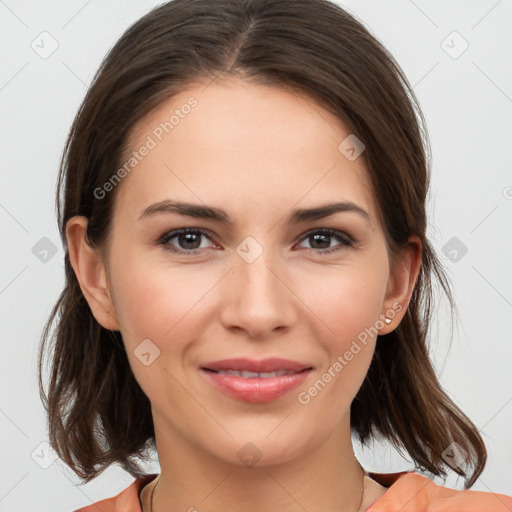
(407, 492)
(411, 492)
(126, 501)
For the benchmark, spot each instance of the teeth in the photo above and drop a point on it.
(250, 375)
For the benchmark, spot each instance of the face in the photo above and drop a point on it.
(260, 281)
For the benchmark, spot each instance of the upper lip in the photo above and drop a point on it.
(265, 365)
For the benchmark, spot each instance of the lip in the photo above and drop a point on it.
(271, 364)
(256, 389)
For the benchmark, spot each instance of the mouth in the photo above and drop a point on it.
(253, 375)
(251, 366)
(256, 381)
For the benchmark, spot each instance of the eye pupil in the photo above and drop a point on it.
(188, 238)
(319, 238)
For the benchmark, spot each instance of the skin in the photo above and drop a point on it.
(258, 152)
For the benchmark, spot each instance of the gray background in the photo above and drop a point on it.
(467, 100)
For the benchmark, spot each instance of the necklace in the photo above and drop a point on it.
(358, 508)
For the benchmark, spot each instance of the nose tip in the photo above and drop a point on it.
(259, 302)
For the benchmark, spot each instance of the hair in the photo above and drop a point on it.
(97, 413)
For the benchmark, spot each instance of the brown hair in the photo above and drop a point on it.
(97, 413)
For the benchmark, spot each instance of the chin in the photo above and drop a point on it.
(262, 447)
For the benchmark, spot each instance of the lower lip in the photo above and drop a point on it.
(256, 389)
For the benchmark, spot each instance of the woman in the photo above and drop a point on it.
(220, 147)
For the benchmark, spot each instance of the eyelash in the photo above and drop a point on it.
(345, 240)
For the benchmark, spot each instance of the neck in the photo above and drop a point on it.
(328, 479)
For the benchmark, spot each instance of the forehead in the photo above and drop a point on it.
(239, 143)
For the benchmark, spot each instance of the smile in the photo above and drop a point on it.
(252, 375)
(255, 387)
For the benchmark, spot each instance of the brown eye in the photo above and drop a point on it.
(186, 240)
(321, 239)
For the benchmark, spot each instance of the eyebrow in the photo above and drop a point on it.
(208, 212)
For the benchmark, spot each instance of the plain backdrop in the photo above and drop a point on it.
(456, 54)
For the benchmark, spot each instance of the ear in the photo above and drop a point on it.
(402, 279)
(90, 271)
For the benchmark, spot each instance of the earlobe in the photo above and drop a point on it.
(90, 272)
(402, 281)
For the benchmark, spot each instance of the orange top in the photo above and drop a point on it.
(407, 492)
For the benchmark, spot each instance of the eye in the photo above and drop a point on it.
(321, 239)
(188, 240)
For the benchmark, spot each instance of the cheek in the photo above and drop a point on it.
(347, 299)
(160, 303)
(348, 302)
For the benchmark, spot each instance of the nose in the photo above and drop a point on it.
(258, 300)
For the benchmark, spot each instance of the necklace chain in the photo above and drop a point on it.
(358, 508)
